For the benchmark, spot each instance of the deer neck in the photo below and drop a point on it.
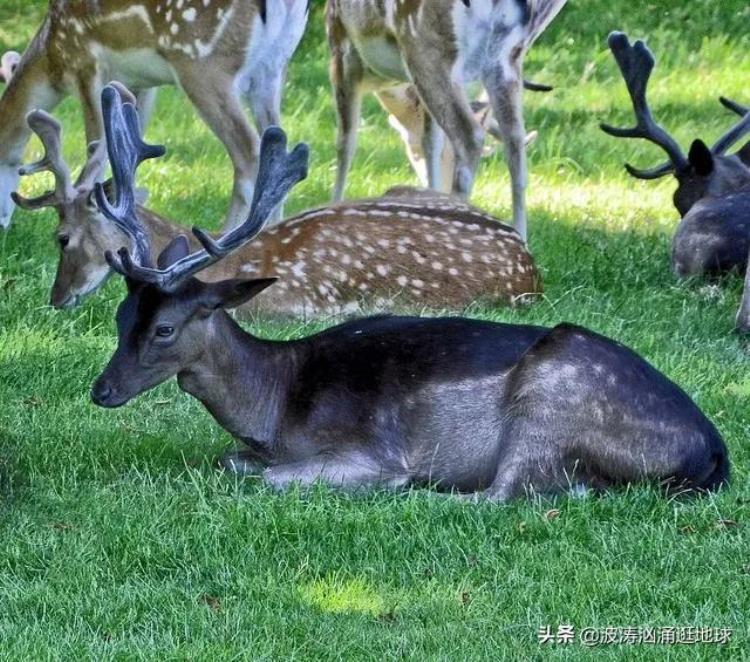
(242, 380)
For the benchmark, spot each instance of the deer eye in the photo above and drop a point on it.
(63, 240)
(164, 331)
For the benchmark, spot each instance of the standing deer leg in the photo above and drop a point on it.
(146, 101)
(261, 91)
(433, 140)
(446, 101)
(743, 315)
(406, 115)
(346, 77)
(216, 100)
(504, 85)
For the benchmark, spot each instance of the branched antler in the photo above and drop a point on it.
(126, 151)
(278, 172)
(636, 63)
(738, 131)
(50, 133)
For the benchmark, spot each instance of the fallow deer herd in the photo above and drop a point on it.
(481, 409)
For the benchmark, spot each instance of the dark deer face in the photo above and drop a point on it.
(166, 320)
(705, 172)
(161, 334)
(709, 175)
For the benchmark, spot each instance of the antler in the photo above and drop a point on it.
(636, 63)
(126, 151)
(8, 64)
(738, 131)
(50, 133)
(278, 172)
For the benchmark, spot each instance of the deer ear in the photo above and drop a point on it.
(701, 158)
(175, 250)
(233, 293)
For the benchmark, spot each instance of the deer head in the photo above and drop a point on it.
(83, 234)
(167, 316)
(705, 171)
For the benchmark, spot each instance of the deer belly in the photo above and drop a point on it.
(382, 57)
(137, 68)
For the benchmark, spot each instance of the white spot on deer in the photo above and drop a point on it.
(418, 257)
(179, 4)
(190, 14)
(298, 268)
(401, 249)
(206, 48)
(418, 283)
(453, 271)
(467, 257)
(402, 281)
(363, 287)
(346, 260)
(168, 16)
(437, 266)
(429, 238)
(358, 264)
(368, 249)
(206, 3)
(384, 243)
(383, 269)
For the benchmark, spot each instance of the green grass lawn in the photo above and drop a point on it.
(119, 539)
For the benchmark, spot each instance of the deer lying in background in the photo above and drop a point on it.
(713, 193)
(440, 46)
(406, 114)
(218, 51)
(407, 248)
(459, 404)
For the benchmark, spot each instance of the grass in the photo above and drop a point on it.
(118, 539)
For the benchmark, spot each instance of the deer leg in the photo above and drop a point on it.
(433, 140)
(504, 85)
(242, 462)
(146, 99)
(216, 101)
(743, 315)
(406, 116)
(446, 101)
(262, 94)
(351, 470)
(346, 77)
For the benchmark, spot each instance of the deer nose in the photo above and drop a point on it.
(101, 393)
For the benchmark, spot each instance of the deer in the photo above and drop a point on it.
(439, 46)
(407, 248)
(221, 53)
(482, 409)
(713, 192)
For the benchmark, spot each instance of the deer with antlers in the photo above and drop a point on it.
(713, 192)
(220, 52)
(478, 407)
(440, 46)
(407, 248)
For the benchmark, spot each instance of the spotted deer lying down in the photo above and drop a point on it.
(459, 404)
(713, 192)
(407, 248)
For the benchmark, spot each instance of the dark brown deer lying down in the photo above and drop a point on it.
(408, 248)
(460, 404)
(713, 193)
